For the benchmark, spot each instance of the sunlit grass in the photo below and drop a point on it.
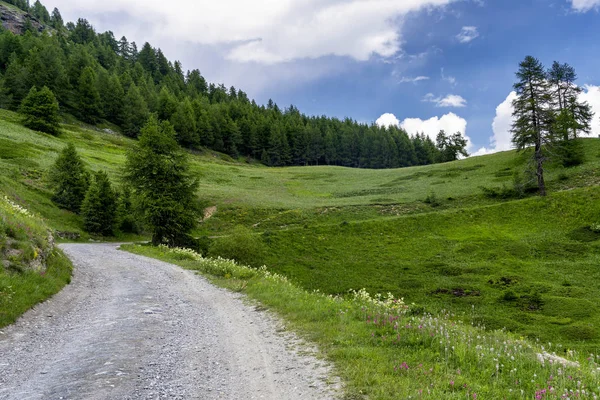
(384, 350)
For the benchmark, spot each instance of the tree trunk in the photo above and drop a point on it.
(539, 158)
(156, 239)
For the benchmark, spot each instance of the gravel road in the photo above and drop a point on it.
(131, 327)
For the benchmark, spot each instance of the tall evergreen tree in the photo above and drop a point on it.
(135, 112)
(158, 171)
(40, 111)
(99, 207)
(88, 97)
(184, 123)
(69, 179)
(56, 20)
(533, 114)
(573, 116)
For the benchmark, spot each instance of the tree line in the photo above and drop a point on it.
(97, 78)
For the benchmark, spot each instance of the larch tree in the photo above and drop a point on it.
(157, 169)
(70, 180)
(572, 115)
(533, 114)
(40, 111)
(99, 207)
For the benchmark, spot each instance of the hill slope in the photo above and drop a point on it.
(525, 264)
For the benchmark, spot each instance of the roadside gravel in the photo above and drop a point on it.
(131, 327)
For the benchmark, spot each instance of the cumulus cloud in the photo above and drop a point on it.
(467, 34)
(451, 100)
(267, 31)
(501, 126)
(450, 123)
(585, 5)
(503, 121)
(387, 120)
(591, 94)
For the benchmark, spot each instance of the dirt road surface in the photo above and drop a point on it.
(130, 327)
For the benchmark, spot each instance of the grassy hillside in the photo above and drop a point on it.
(527, 265)
(31, 268)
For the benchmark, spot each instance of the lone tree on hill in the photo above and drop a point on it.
(40, 111)
(158, 171)
(533, 114)
(451, 147)
(99, 208)
(70, 180)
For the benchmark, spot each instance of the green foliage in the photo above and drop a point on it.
(158, 172)
(40, 111)
(570, 153)
(99, 208)
(451, 147)
(241, 245)
(69, 179)
(126, 213)
(135, 112)
(88, 96)
(432, 200)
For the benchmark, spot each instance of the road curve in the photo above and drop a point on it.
(131, 327)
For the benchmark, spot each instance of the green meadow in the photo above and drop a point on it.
(428, 234)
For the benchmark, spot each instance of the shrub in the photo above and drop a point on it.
(242, 246)
(99, 207)
(571, 153)
(40, 111)
(432, 200)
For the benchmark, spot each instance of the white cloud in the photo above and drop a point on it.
(585, 5)
(451, 100)
(413, 80)
(503, 121)
(450, 123)
(467, 34)
(450, 79)
(592, 96)
(264, 31)
(387, 120)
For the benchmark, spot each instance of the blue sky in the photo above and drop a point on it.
(431, 63)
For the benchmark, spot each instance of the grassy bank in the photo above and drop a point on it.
(383, 349)
(530, 266)
(31, 269)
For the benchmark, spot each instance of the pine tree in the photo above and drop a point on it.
(126, 213)
(135, 112)
(184, 123)
(14, 84)
(573, 116)
(167, 104)
(70, 180)
(99, 206)
(56, 20)
(88, 97)
(112, 97)
(158, 171)
(533, 114)
(40, 111)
